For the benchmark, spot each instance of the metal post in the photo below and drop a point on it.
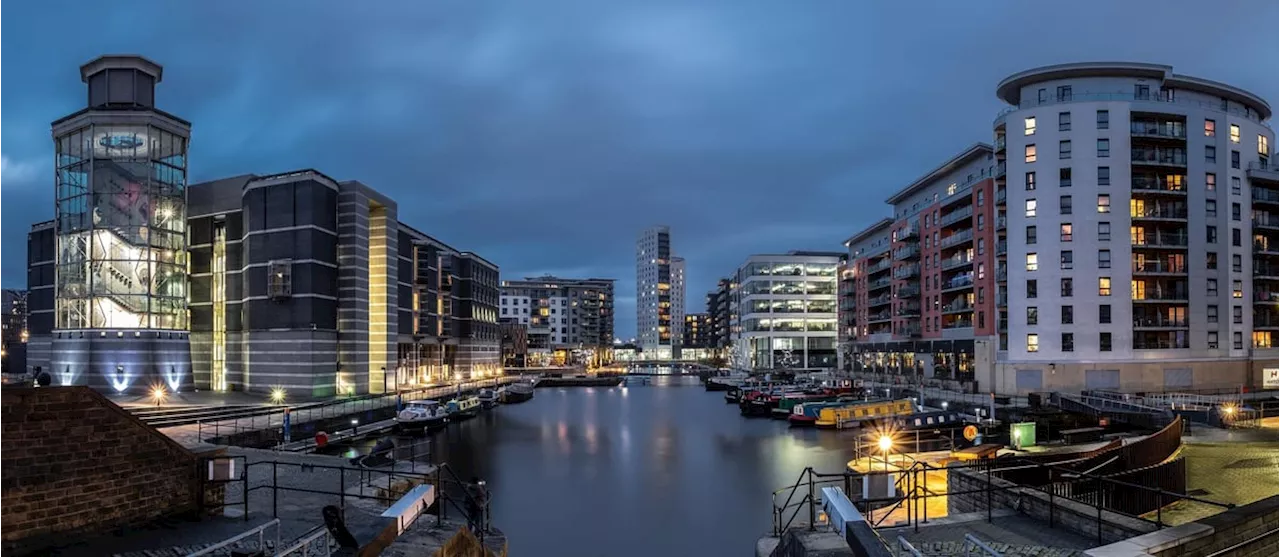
(1097, 499)
(813, 511)
(440, 496)
(1052, 488)
(989, 461)
(342, 490)
(1159, 508)
(244, 482)
(275, 491)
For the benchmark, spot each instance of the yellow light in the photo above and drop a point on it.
(1229, 409)
(277, 395)
(886, 443)
(158, 394)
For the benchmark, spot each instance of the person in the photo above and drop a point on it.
(477, 501)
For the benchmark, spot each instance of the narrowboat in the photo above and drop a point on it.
(763, 402)
(855, 414)
(806, 413)
(488, 398)
(420, 415)
(515, 393)
(924, 420)
(463, 408)
(789, 401)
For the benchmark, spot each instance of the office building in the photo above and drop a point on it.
(13, 331)
(1120, 234)
(787, 304)
(567, 320)
(659, 295)
(108, 275)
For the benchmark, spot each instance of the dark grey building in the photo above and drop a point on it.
(13, 331)
(718, 307)
(562, 314)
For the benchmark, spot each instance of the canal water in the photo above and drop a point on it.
(664, 468)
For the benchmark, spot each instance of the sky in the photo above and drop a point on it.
(545, 135)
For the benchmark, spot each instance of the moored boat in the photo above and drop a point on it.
(488, 398)
(515, 393)
(805, 414)
(788, 401)
(421, 415)
(463, 408)
(857, 413)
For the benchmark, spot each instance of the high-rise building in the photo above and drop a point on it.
(718, 311)
(13, 331)
(561, 314)
(787, 304)
(116, 316)
(1159, 208)
(659, 294)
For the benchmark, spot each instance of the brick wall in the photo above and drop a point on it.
(1247, 531)
(76, 463)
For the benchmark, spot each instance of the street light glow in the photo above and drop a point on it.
(886, 443)
(158, 394)
(277, 395)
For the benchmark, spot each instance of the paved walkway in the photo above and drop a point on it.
(1008, 532)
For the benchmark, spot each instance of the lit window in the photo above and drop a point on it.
(951, 190)
(1237, 289)
(1209, 128)
(1030, 153)
(1033, 343)
(1210, 181)
(1066, 260)
(1031, 207)
(1104, 286)
(1262, 146)
(1104, 203)
(1031, 181)
(1033, 262)
(1235, 133)
(1064, 232)
(1029, 126)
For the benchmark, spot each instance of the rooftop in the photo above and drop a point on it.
(973, 152)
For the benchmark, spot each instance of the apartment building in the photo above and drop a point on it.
(787, 308)
(718, 302)
(564, 316)
(659, 295)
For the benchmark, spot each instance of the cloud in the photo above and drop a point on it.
(18, 174)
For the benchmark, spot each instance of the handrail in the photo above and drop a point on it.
(304, 543)
(904, 545)
(1231, 550)
(971, 542)
(227, 542)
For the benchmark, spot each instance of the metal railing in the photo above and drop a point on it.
(1157, 239)
(957, 215)
(1175, 157)
(879, 283)
(956, 238)
(302, 545)
(1154, 183)
(259, 531)
(1140, 321)
(973, 544)
(1155, 97)
(956, 261)
(1262, 194)
(1172, 130)
(1265, 167)
(1154, 211)
(1157, 266)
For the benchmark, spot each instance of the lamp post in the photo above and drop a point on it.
(886, 444)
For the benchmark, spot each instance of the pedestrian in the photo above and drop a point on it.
(477, 502)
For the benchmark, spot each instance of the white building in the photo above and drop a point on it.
(656, 293)
(1141, 228)
(787, 310)
(677, 304)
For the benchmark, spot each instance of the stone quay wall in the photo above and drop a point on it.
(77, 464)
(1246, 531)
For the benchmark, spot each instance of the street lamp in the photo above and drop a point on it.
(277, 395)
(886, 444)
(158, 394)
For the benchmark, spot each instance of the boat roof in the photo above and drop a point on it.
(424, 402)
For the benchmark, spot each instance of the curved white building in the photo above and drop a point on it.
(1140, 214)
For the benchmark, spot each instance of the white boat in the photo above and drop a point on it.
(422, 415)
(488, 398)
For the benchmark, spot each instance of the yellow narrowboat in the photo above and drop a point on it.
(853, 415)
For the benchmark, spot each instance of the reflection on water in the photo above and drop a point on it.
(660, 469)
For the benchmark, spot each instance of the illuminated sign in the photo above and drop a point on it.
(1271, 378)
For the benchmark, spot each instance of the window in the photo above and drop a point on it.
(1064, 93)
(1033, 343)
(982, 246)
(1064, 177)
(1235, 185)
(1065, 260)
(1210, 181)
(1142, 92)
(1064, 232)
(1237, 264)
(1030, 153)
(1031, 288)
(1237, 289)
(1064, 149)
(1213, 339)
(1104, 286)
(1029, 126)
(1042, 96)
(982, 221)
(280, 278)
(1104, 342)
(980, 197)
(1104, 119)
(1068, 342)
(1104, 313)
(1235, 212)
(1235, 159)
(982, 271)
(1104, 175)
(1068, 315)
(1209, 128)
(1211, 260)
(1031, 181)
(1211, 209)
(1235, 237)
(1237, 315)
(1064, 205)
(1104, 148)
(1066, 288)
(1211, 287)
(1031, 207)
(1064, 121)
(982, 294)
(1235, 133)
(1211, 313)
(1211, 234)
(982, 320)
(1104, 259)
(1033, 263)
(1210, 154)
(1104, 231)
(1104, 203)
(1263, 149)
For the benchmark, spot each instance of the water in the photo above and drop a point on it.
(659, 469)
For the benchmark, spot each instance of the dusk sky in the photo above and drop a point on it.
(544, 135)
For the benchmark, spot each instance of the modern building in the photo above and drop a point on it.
(697, 331)
(659, 295)
(718, 302)
(1159, 206)
(567, 320)
(13, 331)
(306, 283)
(515, 342)
(108, 276)
(787, 308)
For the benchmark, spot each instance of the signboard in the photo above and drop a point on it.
(1271, 378)
(970, 433)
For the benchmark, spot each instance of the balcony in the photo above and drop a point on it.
(959, 282)
(1265, 297)
(1263, 321)
(963, 213)
(1002, 275)
(1265, 220)
(906, 253)
(956, 261)
(1002, 222)
(1002, 247)
(848, 304)
(956, 239)
(1158, 240)
(878, 283)
(1002, 325)
(908, 291)
(1000, 144)
(1160, 185)
(1158, 296)
(909, 231)
(1158, 211)
(881, 266)
(910, 331)
(1265, 270)
(958, 306)
(959, 324)
(1157, 267)
(1263, 195)
(908, 310)
(1158, 157)
(904, 272)
(1158, 322)
(1265, 246)
(1161, 342)
(879, 317)
(1258, 170)
(1000, 196)
(1000, 170)
(1002, 300)
(1156, 100)
(1158, 130)
(879, 300)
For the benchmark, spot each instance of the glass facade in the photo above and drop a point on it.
(121, 226)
